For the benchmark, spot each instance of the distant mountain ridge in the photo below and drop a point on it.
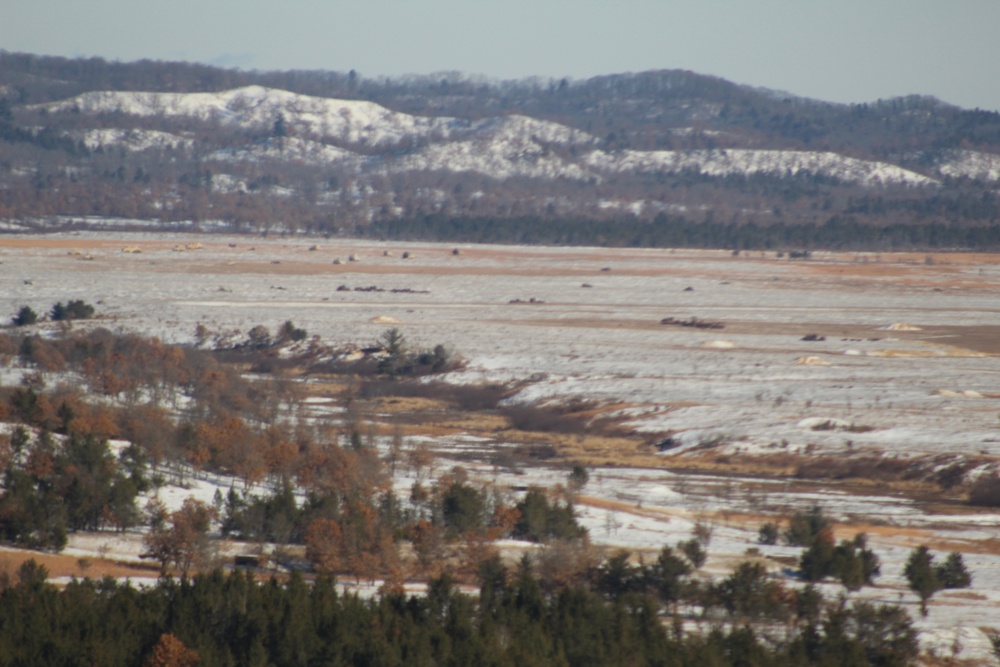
(335, 152)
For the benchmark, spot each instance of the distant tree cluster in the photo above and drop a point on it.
(217, 619)
(925, 578)
(72, 310)
(54, 486)
(665, 231)
(851, 562)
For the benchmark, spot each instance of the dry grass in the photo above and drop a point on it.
(69, 566)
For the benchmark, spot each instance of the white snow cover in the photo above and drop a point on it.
(723, 162)
(289, 149)
(499, 147)
(974, 164)
(352, 121)
(504, 147)
(134, 140)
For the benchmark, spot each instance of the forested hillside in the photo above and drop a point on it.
(666, 157)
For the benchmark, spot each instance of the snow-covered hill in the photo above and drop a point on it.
(971, 164)
(370, 137)
(727, 162)
(351, 121)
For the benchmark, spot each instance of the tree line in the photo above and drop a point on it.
(836, 233)
(218, 619)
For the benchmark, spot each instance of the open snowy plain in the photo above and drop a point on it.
(901, 366)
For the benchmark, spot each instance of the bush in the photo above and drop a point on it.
(985, 492)
(953, 574)
(544, 419)
(463, 508)
(751, 594)
(539, 520)
(851, 562)
(805, 527)
(694, 552)
(290, 332)
(73, 310)
(768, 534)
(25, 317)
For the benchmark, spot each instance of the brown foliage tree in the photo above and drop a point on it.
(323, 545)
(184, 542)
(171, 652)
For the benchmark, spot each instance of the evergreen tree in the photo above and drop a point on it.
(922, 575)
(952, 573)
(25, 317)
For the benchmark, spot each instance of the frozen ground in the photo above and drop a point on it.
(754, 382)
(926, 388)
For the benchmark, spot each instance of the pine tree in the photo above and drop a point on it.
(953, 574)
(921, 575)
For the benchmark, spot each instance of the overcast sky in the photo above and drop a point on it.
(837, 50)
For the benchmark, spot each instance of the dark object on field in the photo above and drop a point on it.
(813, 337)
(694, 323)
(246, 562)
(73, 310)
(667, 443)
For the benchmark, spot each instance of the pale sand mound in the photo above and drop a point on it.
(968, 393)
(719, 345)
(902, 326)
(384, 319)
(812, 361)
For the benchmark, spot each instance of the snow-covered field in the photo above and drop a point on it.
(905, 367)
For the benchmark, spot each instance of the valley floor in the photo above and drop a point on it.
(850, 381)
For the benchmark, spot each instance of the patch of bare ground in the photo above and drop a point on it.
(659, 513)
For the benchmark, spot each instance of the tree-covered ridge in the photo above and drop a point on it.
(615, 152)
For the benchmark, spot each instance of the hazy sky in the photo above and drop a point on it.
(843, 50)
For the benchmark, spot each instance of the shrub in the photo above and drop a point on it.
(694, 552)
(768, 533)
(851, 562)
(463, 508)
(290, 332)
(805, 527)
(539, 520)
(25, 317)
(985, 492)
(953, 574)
(73, 310)
(750, 593)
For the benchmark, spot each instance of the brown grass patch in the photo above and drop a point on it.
(394, 404)
(60, 565)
